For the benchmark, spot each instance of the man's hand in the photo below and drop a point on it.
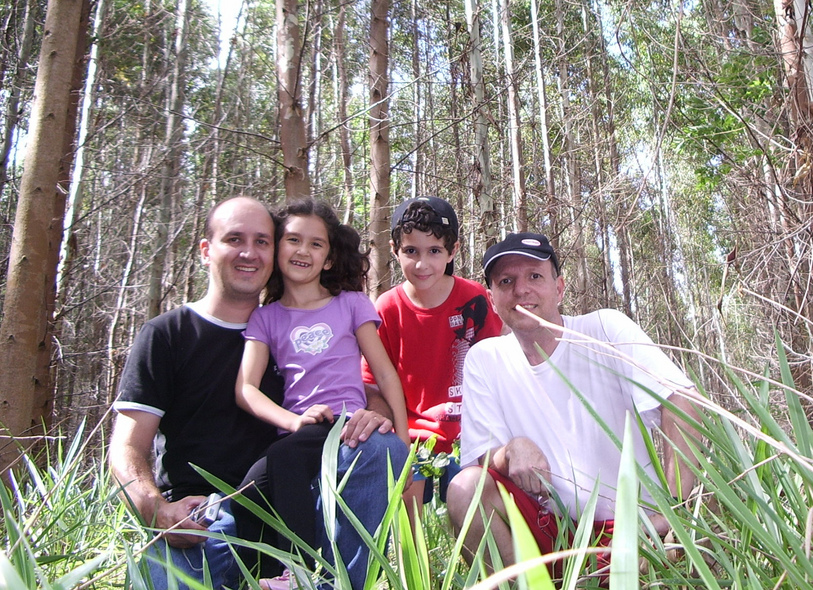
(362, 424)
(660, 524)
(170, 514)
(524, 463)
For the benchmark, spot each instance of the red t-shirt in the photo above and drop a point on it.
(428, 347)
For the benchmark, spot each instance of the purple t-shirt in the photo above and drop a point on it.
(316, 350)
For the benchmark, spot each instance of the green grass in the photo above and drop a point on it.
(747, 525)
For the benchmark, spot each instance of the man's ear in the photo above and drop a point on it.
(204, 252)
(393, 249)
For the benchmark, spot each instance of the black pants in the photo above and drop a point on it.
(283, 480)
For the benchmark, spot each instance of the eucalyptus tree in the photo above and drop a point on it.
(379, 147)
(19, 35)
(26, 327)
(292, 133)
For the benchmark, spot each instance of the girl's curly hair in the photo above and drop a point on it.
(349, 267)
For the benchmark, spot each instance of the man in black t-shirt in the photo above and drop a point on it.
(176, 400)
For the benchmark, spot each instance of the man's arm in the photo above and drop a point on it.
(523, 462)
(377, 416)
(679, 432)
(129, 456)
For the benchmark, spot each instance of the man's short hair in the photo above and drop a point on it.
(208, 232)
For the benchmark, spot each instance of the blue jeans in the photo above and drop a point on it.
(367, 497)
(219, 559)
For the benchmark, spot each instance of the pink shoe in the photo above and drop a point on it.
(287, 581)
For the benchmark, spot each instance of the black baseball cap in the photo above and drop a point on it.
(444, 215)
(525, 244)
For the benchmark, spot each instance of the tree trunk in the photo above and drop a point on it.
(796, 38)
(13, 103)
(514, 131)
(544, 128)
(171, 164)
(25, 331)
(481, 183)
(291, 122)
(417, 124)
(68, 246)
(379, 276)
(344, 123)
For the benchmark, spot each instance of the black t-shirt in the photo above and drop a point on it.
(183, 367)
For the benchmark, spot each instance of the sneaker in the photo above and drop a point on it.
(287, 581)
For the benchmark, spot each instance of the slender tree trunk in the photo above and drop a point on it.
(314, 89)
(12, 114)
(344, 123)
(578, 273)
(25, 332)
(75, 198)
(455, 107)
(796, 38)
(417, 123)
(481, 184)
(514, 130)
(292, 123)
(171, 164)
(379, 276)
(544, 128)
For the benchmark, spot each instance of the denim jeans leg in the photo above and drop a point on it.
(367, 497)
(219, 559)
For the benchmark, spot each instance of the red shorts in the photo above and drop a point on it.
(544, 527)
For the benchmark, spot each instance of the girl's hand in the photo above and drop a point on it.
(316, 413)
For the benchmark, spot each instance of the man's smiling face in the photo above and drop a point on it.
(240, 252)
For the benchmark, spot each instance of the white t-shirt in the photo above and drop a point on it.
(505, 397)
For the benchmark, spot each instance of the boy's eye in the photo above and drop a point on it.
(435, 251)
(409, 250)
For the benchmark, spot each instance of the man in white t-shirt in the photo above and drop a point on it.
(522, 412)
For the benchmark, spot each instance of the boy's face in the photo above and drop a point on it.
(423, 259)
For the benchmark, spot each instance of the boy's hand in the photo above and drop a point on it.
(362, 424)
(316, 413)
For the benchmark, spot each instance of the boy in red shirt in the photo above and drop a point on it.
(428, 324)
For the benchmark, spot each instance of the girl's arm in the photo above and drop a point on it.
(252, 400)
(385, 376)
